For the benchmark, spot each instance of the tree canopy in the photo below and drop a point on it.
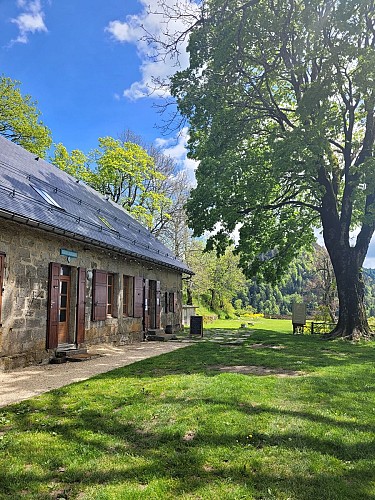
(280, 97)
(20, 119)
(217, 280)
(145, 182)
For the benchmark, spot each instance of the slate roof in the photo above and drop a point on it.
(21, 175)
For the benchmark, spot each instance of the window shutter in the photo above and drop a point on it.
(138, 297)
(175, 301)
(81, 304)
(146, 322)
(2, 266)
(158, 297)
(53, 305)
(99, 307)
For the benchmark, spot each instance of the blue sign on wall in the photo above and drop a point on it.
(68, 253)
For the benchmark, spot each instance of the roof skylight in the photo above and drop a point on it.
(105, 222)
(46, 197)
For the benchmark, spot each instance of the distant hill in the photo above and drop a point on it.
(303, 282)
(369, 279)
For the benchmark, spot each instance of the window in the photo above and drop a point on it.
(105, 222)
(46, 197)
(104, 296)
(110, 294)
(2, 266)
(128, 290)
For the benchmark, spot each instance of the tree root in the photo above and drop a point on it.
(354, 335)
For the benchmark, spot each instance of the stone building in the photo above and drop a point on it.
(75, 268)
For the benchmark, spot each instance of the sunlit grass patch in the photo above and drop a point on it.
(174, 427)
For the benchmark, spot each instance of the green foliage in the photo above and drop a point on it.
(124, 172)
(307, 280)
(369, 281)
(76, 163)
(127, 174)
(20, 119)
(217, 280)
(278, 299)
(280, 101)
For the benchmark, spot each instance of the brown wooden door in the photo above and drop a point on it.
(153, 304)
(53, 305)
(64, 306)
(81, 305)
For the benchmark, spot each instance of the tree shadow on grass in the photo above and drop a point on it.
(302, 354)
(133, 454)
(118, 428)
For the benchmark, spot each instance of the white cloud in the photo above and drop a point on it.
(134, 29)
(121, 32)
(30, 21)
(176, 148)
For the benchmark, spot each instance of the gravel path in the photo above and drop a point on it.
(23, 384)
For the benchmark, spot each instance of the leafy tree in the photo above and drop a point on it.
(170, 222)
(127, 174)
(20, 119)
(280, 99)
(309, 278)
(75, 163)
(124, 172)
(369, 278)
(217, 280)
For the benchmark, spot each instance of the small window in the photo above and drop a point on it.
(46, 197)
(128, 290)
(105, 222)
(110, 294)
(65, 271)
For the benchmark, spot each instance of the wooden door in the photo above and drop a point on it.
(152, 304)
(53, 305)
(81, 305)
(64, 305)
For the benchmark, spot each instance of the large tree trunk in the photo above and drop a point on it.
(347, 260)
(352, 323)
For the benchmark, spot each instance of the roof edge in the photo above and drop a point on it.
(77, 237)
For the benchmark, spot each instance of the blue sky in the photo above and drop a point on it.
(85, 65)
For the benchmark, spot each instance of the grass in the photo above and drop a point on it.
(175, 426)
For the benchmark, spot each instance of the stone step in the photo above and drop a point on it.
(65, 349)
(81, 357)
(161, 337)
(155, 331)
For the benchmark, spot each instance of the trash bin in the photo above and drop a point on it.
(196, 325)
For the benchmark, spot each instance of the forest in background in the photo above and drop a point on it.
(221, 288)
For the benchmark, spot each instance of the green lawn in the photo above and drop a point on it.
(301, 426)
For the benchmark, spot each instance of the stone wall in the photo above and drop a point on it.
(29, 251)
